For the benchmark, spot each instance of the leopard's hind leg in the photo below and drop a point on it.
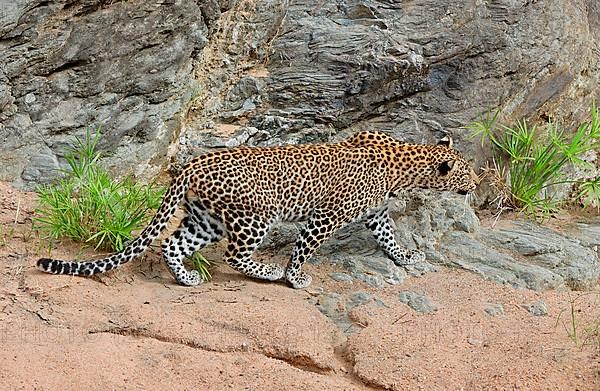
(196, 230)
(245, 233)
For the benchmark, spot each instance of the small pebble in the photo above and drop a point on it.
(537, 309)
(494, 310)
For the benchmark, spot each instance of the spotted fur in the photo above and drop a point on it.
(241, 192)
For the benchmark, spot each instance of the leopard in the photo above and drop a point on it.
(241, 192)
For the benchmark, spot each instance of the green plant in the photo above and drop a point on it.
(589, 192)
(87, 205)
(201, 265)
(534, 162)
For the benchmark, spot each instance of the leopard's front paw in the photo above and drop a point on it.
(415, 256)
(409, 257)
(299, 280)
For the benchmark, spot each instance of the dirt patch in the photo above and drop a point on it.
(133, 328)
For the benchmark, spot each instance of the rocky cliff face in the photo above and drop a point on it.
(193, 75)
(124, 67)
(418, 69)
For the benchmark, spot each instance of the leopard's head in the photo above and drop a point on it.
(448, 170)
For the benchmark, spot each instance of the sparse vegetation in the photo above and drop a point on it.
(529, 163)
(89, 206)
(6, 234)
(7, 231)
(581, 335)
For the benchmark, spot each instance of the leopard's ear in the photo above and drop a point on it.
(445, 167)
(446, 141)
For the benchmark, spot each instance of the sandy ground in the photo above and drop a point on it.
(133, 328)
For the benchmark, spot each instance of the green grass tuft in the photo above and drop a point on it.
(532, 162)
(87, 205)
(201, 265)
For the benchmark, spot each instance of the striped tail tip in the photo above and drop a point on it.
(56, 266)
(48, 265)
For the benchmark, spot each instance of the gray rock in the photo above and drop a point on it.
(373, 270)
(383, 266)
(7, 100)
(527, 255)
(282, 236)
(353, 239)
(471, 254)
(376, 281)
(247, 89)
(420, 268)
(418, 302)
(337, 307)
(537, 309)
(71, 64)
(426, 217)
(341, 277)
(494, 310)
(578, 265)
(586, 233)
(333, 306)
(359, 298)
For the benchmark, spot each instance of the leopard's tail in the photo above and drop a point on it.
(168, 206)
